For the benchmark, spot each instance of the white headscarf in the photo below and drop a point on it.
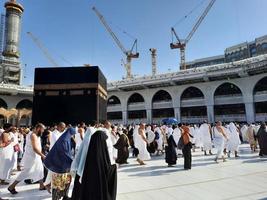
(79, 160)
(150, 135)
(176, 135)
(135, 136)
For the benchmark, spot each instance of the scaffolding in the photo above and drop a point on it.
(2, 28)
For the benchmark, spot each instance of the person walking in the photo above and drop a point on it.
(187, 147)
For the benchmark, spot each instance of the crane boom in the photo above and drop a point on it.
(175, 34)
(43, 49)
(129, 53)
(102, 19)
(199, 21)
(181, 44)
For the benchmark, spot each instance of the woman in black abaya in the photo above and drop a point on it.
(170, 151)
(262, 138)
(99, 180)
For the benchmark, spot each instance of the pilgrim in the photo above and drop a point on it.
(32, 160)
(58, 161)
(99, 180)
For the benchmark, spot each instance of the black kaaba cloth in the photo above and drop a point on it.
(69, 94)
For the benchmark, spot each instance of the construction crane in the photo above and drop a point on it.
(154, 60)
(43, 49)
(2, 27)
(181, 44)
(129, 53)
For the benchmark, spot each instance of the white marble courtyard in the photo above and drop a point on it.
(239, 179)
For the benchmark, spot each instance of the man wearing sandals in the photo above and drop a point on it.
(32, 160)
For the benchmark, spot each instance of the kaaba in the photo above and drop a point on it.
(69, 94)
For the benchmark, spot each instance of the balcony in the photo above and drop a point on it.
(12, 78)
(192, 102)
(114, 107)
(231, 118)
(162, 104)
(260, 117)
(136, 121)
(228, 99)
(194, 119)
(116, 121)
(260, 96)
(136, 106)
(12, 69)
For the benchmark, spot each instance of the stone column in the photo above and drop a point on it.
(250, 114)
(124, 117)
(210, 112)
(177, 113)
(149, 116)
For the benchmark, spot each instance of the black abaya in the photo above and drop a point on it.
(99, 181)
(262, 138)
(123, 151)
(171, 155)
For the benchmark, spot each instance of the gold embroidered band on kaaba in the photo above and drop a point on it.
(50, 88)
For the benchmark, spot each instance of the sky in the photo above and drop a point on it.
(74, 36)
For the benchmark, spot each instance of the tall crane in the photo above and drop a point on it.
(154, 60)
(181, 44)
(2, 27)
(43, 49)
(129, 53)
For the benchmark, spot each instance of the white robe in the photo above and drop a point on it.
(150, 135)
(6, 164)
(198, 137)
(78, 140)
(32, 162)
(141, 145)
(176, 136)
(15, 154)
(206, 138)
(233, 136)
(110, 146)
(219, 141)
(160, 139)
(244, 130)
(114, 140)
(54, 137)
(192, 132)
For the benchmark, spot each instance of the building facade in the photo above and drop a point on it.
(234, 91)
(15, 104)
(229, 87)
(234, 53)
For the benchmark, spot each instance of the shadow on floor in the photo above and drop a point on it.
(158, 172)
(258, 160)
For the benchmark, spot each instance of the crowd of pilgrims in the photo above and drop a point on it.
(90, 155)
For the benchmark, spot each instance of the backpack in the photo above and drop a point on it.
(156, 135)
(180, 143)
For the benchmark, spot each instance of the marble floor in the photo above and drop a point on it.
(239, 179)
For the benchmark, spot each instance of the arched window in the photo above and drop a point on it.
(227, 89)
(261, 86)
(2, 120)
(27, 104)
(136, 98)
(3, 104)
(113, 100)
(161, 95)
(192, 92)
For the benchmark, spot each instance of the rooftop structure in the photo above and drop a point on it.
(242, 68)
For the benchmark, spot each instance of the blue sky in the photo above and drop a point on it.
(70, 29)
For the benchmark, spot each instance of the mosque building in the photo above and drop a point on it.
(229, 87)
